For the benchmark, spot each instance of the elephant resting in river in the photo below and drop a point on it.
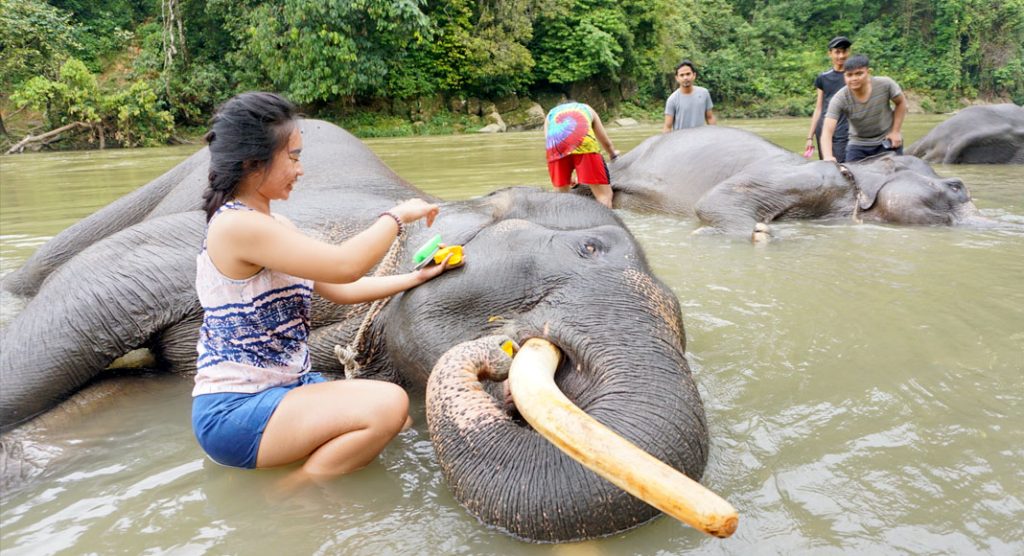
(539, 265)
(976, 135)
(733, 180)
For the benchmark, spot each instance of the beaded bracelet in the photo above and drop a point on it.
(401, 226)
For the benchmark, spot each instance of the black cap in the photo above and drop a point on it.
(839, 42)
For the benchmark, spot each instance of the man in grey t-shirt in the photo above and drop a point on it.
(689, 105)
(874, 126)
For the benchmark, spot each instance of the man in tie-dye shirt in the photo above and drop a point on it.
(572, 131)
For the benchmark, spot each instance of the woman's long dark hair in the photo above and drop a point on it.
(244, 134)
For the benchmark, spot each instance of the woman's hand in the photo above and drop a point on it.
(430, 271)
(414, 209)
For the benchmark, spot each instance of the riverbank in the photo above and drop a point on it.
(458, 116)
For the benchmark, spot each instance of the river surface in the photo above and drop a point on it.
(864, 387)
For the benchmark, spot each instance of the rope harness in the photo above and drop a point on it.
(347, 354)
(860, 194)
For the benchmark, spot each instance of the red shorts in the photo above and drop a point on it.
(590, 170)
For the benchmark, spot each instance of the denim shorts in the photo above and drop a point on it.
(229, 425)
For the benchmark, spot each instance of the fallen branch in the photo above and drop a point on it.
(46, 137)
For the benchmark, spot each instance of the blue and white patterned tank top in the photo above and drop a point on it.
(255, 331)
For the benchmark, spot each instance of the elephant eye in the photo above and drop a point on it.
(590, 248)
(954, 185)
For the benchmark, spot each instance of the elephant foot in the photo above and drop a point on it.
(761, 233)
(142, 358)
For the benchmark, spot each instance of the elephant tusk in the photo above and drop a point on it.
(606, 453)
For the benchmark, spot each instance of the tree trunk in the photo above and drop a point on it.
(48, 137)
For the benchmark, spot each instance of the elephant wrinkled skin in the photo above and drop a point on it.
(976, 135)
(733, 179)
(557, 267)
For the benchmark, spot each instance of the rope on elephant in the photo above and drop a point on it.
(347, 354)
(856, 207)
(846, 173)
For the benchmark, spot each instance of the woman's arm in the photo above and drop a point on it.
(241, 242)
(370, 288)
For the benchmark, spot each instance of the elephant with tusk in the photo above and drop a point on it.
(538, 265)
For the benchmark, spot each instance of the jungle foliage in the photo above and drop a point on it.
(154, 59)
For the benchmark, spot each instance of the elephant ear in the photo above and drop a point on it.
(869, 179)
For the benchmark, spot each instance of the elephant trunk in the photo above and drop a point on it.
(542, 404)
(511, 477)
(103, 303)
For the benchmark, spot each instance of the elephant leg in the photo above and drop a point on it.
(111, 298)
(28, 451)
(737, 204)
(176, 346)
(984, 146)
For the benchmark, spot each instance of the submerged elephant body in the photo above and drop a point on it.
(976, 135)
(732, 180)
(557, 267)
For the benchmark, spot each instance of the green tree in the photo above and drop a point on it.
(320, 50)
(474, 48)
(34, 37)
(128, 117)
(104, 29)
(580, 39)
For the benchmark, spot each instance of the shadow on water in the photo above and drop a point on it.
(862, 386)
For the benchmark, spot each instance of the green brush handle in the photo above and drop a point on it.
(427, 250)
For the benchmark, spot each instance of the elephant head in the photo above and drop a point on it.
(906, 190)
(564, 269)
(539, 265)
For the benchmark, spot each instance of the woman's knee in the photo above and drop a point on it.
(393, 405)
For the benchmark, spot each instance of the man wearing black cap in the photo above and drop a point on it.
(828, 84)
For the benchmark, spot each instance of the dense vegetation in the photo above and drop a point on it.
(133, 71)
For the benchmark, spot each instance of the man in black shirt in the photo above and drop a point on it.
(827, 85)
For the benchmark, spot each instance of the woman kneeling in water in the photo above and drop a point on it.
(256, 403)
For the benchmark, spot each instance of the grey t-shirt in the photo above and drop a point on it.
(688, 110)
(870, 121)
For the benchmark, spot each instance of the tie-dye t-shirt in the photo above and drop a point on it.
(570, 131)
(255, 331)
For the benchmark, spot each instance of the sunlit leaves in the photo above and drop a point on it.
(317, 50)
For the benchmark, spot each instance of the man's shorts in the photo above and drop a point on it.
(860, 152)
(229, 426)
(590, 170)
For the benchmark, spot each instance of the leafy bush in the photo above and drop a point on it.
(135, 118)
(129, 117)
